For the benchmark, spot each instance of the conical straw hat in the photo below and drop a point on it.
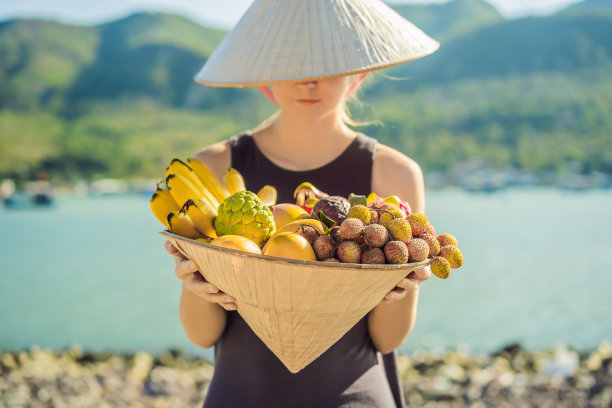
(278, 41)
(297, 308)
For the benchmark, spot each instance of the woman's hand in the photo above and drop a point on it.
(408, 284)
(187, 271)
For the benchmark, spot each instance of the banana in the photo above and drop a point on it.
(203, 216)
(179, 167)
(234, 181)
(161, 204)
(268, 195)
(182, 225)
(182, 190)
(208, 178)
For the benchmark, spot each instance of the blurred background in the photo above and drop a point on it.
(511, 121)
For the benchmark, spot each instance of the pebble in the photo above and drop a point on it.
(512, 377)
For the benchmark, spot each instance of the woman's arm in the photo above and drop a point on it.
(392, 320)
(203, 309)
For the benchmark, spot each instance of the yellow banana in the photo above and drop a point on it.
(182, 190)
(161, 204)
(182, 225)
(268, 195)
(203, 216)
(208, 178)
(234, 181)
(179, 167)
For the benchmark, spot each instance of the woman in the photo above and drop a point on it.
(308, 141)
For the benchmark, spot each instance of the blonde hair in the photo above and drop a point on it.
(345, 110)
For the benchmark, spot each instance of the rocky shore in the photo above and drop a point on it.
(512, 377)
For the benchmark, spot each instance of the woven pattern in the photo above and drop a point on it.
(286, 40)
(298, 309)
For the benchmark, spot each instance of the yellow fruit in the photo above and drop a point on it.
(289, 245)
(181, 224)
(208, 178)
(295, 226)
(268, 195)
(237, 242)
(180, 167)
(234, 181)
(284, 213)
(203, 216)
(161, 204)
(371, 197)
(393, 199)
(182, 189)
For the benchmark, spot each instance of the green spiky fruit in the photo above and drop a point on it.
(361, 212)
(440, 267)
(400, 229)
(453, 255)
(244, 214)
(418, 223)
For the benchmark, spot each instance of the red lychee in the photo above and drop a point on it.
(396, 252)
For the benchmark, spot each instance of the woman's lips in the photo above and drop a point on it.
(307, 101)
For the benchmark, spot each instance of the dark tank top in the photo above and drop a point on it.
(350, 373)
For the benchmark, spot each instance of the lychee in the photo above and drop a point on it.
(429, 229)
(400, 230)
(351, 228)
(447, 239)
(434, 245)
(396, 252)
(308, 232)
(361, 212)
(325, 247)
(440, 267)
(375, 235)
(418, 222)
(417, 250)
(373, 256)
(373, 216)
(453, 255)
(389, 212)
(331, 260)
(349, 252)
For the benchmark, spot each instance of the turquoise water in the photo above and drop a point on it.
(93, 271)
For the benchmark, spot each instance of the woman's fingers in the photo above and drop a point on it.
(420, 274)
(184, 268)
(208, 291)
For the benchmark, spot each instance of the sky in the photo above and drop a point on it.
(216, 13)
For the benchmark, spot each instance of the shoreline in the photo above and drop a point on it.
(511, 377)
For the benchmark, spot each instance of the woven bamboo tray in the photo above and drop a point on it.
(297, 308)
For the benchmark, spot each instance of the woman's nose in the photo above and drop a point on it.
(309, 84)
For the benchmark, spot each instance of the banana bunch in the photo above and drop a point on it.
(186, 203)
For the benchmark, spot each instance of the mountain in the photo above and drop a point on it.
(147, 55)
(451, 19)
(534, 93)
(590, 6)
(562, 43)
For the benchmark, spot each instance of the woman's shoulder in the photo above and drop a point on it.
(218, 156)
(392, 160)
(394, 173)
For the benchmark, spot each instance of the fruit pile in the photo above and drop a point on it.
(358, 229)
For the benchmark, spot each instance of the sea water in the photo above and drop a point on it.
(92, 271)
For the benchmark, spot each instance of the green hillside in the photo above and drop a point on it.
(452, 19)
(119, 99)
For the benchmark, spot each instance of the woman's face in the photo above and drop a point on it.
(314, 99)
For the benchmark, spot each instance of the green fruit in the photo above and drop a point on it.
(400, 230)
(244, 214)
(361, 212)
